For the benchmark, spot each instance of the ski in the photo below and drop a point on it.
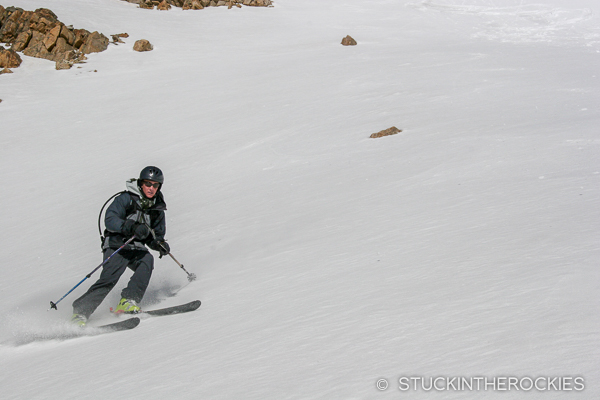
(179, 309)
(76, 332)
(117, 326)
(182, 308)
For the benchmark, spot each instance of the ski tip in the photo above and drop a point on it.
(122, 325)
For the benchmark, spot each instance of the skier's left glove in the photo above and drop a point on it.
(161, 246)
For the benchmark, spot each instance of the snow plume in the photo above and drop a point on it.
(23, 328)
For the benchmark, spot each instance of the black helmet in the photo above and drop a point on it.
(152, 174)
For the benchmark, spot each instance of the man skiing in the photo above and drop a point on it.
(139, 211)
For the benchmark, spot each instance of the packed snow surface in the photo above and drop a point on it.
(330, 265)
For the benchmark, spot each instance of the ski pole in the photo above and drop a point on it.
(53, 304)
(191, 277)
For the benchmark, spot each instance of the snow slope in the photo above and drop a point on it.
(465, 246)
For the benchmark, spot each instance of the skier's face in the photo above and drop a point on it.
(150, 188)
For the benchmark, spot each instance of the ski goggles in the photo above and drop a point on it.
(155, 185)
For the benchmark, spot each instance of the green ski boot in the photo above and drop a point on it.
(79, 320)
(127, 306)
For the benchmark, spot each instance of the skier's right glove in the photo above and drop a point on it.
(130, 227)
(161, 246)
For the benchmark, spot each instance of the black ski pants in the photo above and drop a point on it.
(140, 261)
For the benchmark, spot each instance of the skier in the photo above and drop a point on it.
(139, 211)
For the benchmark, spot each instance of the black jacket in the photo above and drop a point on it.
(128, 205)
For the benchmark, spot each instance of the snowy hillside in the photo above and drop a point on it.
(328, 263)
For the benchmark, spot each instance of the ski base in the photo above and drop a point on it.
(118, 326)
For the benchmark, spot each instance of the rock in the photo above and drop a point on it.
(259, 3)
(146, 4)
(163, 5)
(51, 37)
(192, 5)
(61, 48)
(142, 45)
(36, 46)
(46, 13)
(199, 4)
(64, 64)
(22, 41)
(116, 39)
(80, 36)
(80, 59)
(68, 35)
(6, 71)
(94, 43)
(386, 132)
(9, 25)
(9, 58)
(348, 41)
(40, 34)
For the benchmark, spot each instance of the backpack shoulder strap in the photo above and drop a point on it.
(100, 215)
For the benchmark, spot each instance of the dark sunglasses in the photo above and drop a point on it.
(150, 184)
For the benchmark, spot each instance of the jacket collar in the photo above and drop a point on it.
(158, 202)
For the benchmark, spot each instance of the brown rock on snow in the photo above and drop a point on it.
(199, 4)
(40, 34)
(142, 45)
(386, 132)
(9, 58)
(192, 5)
(348, 41)
(163, 5)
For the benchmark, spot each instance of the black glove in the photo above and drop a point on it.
(161, 246)
(141, 231)
(130, 227)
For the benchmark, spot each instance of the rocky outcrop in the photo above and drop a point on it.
(199, 4)
(40, 34)
(386, 132)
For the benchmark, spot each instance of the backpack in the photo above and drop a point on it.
(100, 216)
